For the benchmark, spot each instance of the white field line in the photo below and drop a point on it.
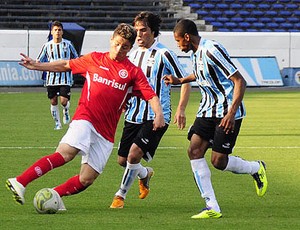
(166, 147)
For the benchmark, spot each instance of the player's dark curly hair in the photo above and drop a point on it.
(184, 26)
(150, 19)
(126, 31)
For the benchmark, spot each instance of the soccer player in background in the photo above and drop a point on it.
(109, 77)
(58, 83)
(219, 116)
(138, 139)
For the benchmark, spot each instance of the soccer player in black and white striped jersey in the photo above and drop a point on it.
(58, 83)
(219, 116)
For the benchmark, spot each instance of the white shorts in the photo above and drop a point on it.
(94, 148)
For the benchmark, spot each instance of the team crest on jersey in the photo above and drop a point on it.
(123, 73)
(150, 61)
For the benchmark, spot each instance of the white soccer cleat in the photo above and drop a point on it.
(57, 126)
(61, 205)
(17, 189)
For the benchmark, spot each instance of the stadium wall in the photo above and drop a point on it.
(285, 46)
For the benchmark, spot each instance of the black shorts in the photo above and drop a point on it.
(59, 90)
(208, 129)
(143, 136)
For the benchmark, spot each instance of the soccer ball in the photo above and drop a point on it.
(46, 201)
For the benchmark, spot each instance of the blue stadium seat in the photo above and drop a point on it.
(271, 1)
(222, 6)
(229, 1)
(292, 6)
(237, 30)
(216, 13)
(215, 1)
(297, 13)
(258, 25)
(188, 1)
(271, 13)
(208, 6)
(237, 19)
(251, 19)
(217, 24)
(236, 6)
(209, 19)
(244, 13)
(293, 19)
(264, 6)
(244, 1)
(286, 25)
(257, 1)
(194, 5)
(279, 30)
(223, 19)
(285, 13)
(201, 1)
(230, 25)
(257, 13)
(284, 1)
(279, 19)
(249, 6)
(278, 6)
(229, 13)
(224, 30)
(272, 25)
(265, 19)
(244, 25)
(297, 25)
(202, 13)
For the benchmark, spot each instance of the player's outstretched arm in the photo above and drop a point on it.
(170, 79)
(56, 66)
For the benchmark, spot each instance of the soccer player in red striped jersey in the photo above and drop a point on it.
(110, 78)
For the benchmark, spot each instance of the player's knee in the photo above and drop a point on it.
(122, 161)
(219, 161)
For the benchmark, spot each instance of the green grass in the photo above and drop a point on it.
(270, 132)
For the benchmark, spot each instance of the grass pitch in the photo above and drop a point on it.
(270, 132)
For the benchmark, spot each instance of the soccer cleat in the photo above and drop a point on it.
(66, 116)
(17, 189)
(57, 126)
(61, 205)
(207, 213)
(118, 202)
(144, 184)
(260, 179)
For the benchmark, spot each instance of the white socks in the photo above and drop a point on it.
(240, 166)
(55, 114)
(130, 173)
(202, 176)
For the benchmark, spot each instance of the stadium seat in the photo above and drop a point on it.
(257, 13)
(297, 13)
(237, 19)
(279, 20)
(265, 30)
(272, 25)
(263, 6)
(271, 13)
(229, 13)
(224, 30)
(236, 6)
(202, 13)
(265, 19)
(229, 1)
(278, 6)
(243, 13)
(194, 5)
(293, 19)
(249, 6)
(251, 30)
(222, 6)
(216, 13)
(286, 25)
(208, 6)
(285, 13)
(215, 1)
(252, 19)
(217, 24)
(244, 25)
(230, 25)
(258, 25)
(292, 6)
(222, 19)
(209, 19)
(271, 1)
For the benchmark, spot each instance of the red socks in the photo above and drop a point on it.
(70, 187)
(40, 168)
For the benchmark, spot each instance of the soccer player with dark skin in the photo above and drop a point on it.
(219, 116)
